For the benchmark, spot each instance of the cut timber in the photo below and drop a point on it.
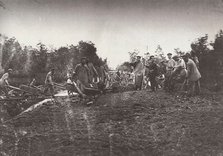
(64, 93)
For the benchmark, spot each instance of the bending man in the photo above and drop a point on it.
(4, 82)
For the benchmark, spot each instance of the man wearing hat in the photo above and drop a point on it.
(179, 73)
(4, 81)
(171, 63)
(138, 72)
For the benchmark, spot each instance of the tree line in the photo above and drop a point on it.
(210, 55)
(36, 61)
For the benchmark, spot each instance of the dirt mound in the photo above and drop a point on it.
(128, 123)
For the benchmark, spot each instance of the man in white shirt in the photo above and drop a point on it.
(180, 68)
(171, 63)
(169, 70)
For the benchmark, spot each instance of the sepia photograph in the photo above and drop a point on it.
(111, 77)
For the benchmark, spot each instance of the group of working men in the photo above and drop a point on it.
(82, 80)
(177, 69)
(79, 80)
(184, 69)
(5, 86)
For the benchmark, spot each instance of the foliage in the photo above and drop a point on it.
(178, 52)
(159, 52)
(38, 60)
(125, 67)
(133, 55)
(210, 60)
(200, 47)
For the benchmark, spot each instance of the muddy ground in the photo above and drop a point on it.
(129, 123)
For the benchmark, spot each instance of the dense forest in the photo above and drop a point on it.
(29, 62)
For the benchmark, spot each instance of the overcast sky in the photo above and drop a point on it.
(115, 26)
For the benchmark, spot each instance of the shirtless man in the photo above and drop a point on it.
(4, 81)
(49, 85)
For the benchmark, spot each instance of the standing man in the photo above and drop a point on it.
(82, 73)
(153, 72)
(169, 70)
(93, 74)
(138, 72)
(171, 63)
(193, 76)
(194, 58)
(4, 81)
(49, 85)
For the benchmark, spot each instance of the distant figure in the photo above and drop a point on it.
(118, 76)
(138, 71)
(49, 85)
(93, 74)
(153, 73)
(82, 72)
(193, 76)
(103, 75)
(4, 81)
(169, 70)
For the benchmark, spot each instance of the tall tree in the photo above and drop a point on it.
(88, 49)
(8, 51)
(133, 55)
(200, 46)
(159, 52)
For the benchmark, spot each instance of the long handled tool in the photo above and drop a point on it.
(16, 88)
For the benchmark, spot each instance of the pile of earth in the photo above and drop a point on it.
(126, 123)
